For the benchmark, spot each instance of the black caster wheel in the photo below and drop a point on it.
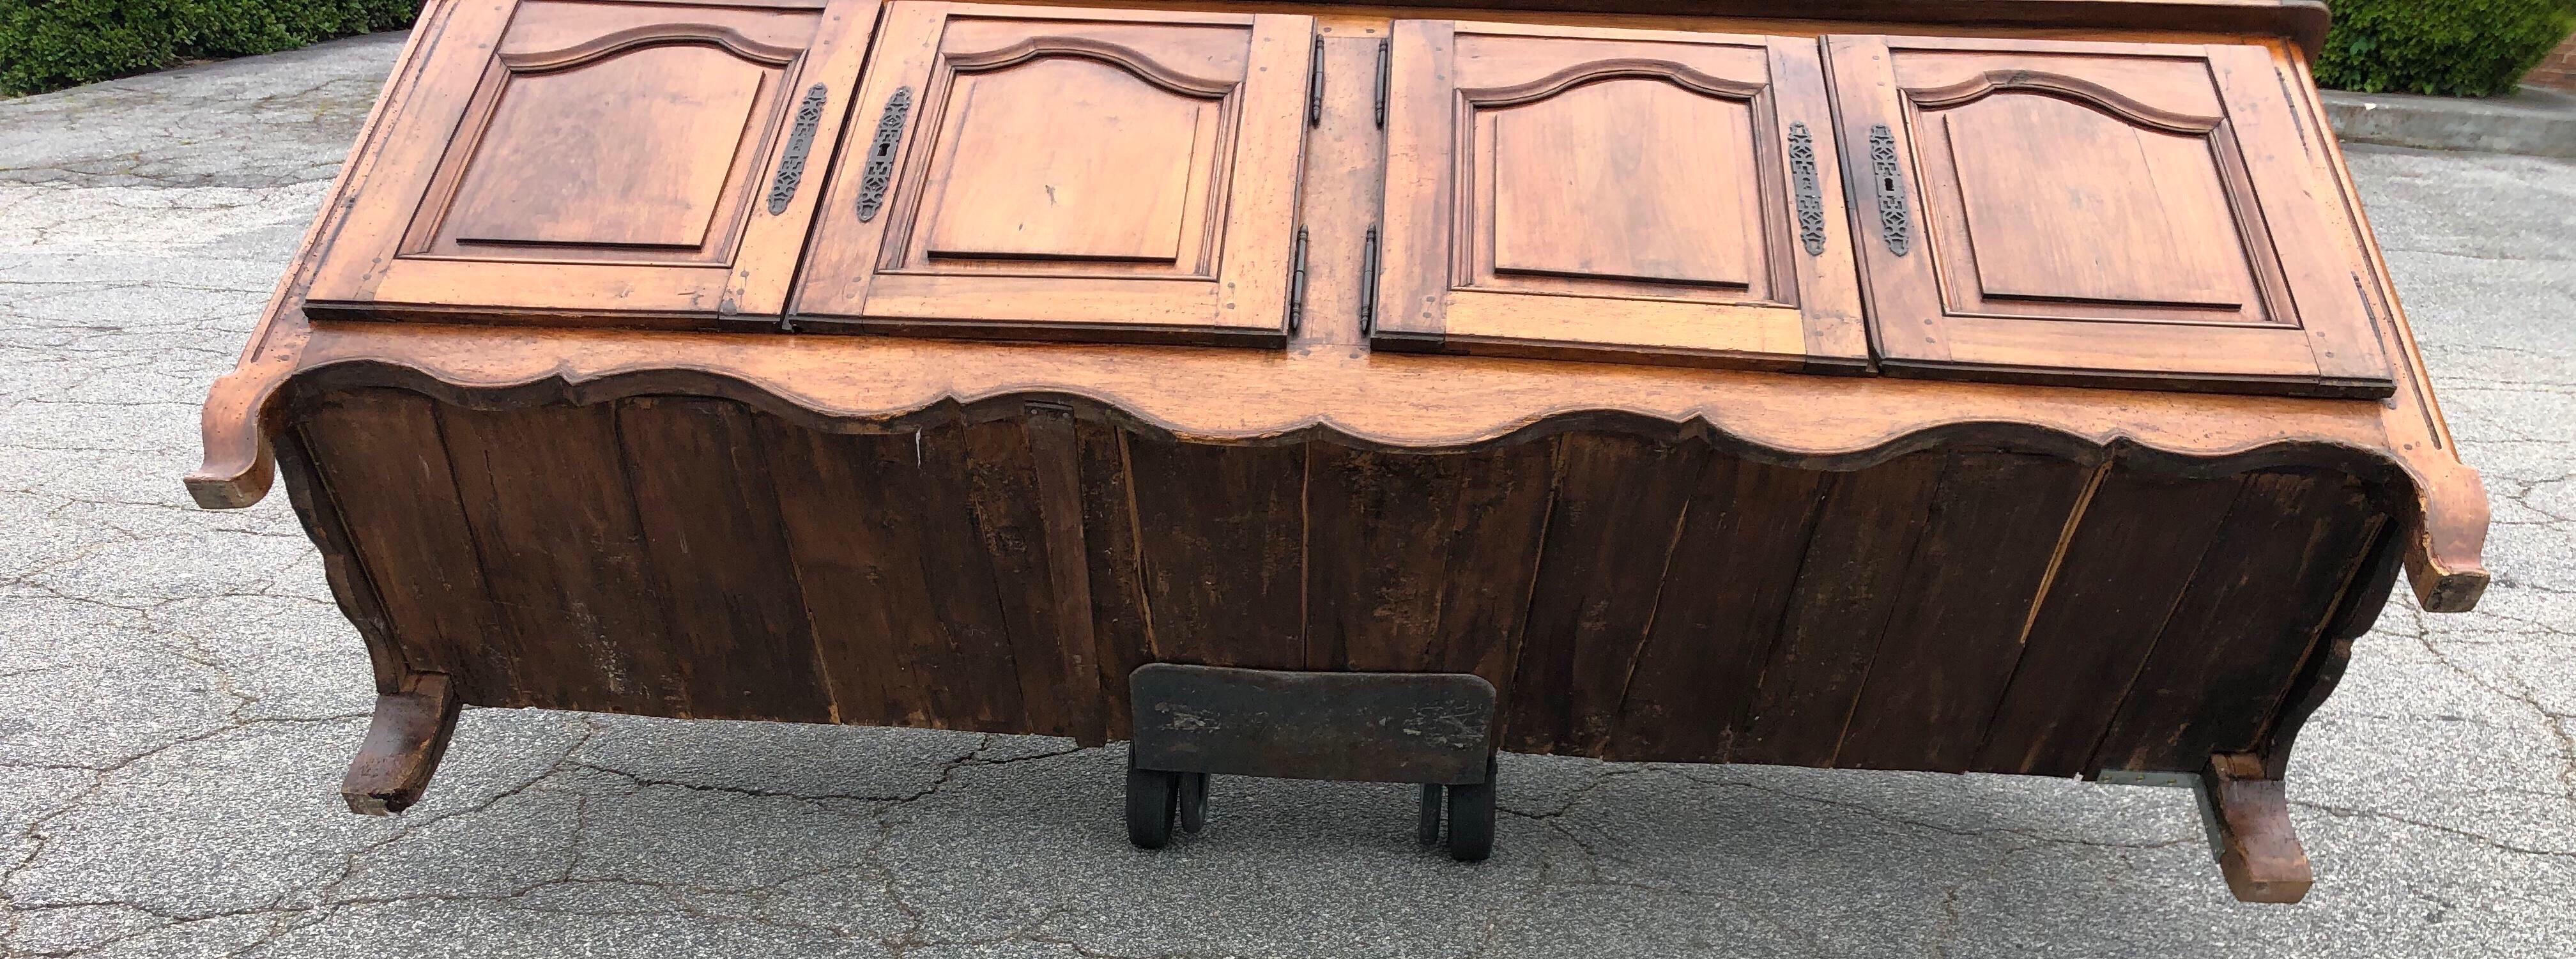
(1153, 801)
(1193, 802)
(1429, 828)
(1471, 819)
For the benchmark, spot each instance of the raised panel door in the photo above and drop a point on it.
(1064, 173)
(2138, 215)
(1650, 195)
(602, 162)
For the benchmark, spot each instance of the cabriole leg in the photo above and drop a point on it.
(404, 742)
(2249, 829)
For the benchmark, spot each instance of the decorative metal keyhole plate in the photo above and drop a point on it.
(791, 165)
(878, 176)
(1895, 225)
(1811, 196)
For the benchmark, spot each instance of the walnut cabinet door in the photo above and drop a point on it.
(2100, 214)
(1656, 196)
(600, 162)
(1066, 173)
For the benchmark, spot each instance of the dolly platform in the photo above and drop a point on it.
(1192, 722)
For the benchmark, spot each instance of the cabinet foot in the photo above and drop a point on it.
(2248, 817)
(404, 742)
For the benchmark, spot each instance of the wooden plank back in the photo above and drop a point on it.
(1633, 595)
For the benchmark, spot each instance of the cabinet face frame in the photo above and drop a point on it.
(927, 261)
(1448, 284)
(1962, 306)
(403, 251)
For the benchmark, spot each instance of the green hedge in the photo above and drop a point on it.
(2472, 48)
(2453, 47)
(48, 44)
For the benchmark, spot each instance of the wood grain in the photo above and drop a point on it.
(1221, 546)
(1571, 192)
(1163, 210)
(1055, 465)
(1986, 552)
(1619, 510)
(2131, 558)
(2258, 849)
(1944, 609)
(510, 188)
(720, 560)
(1784, 613)
(899, 581)
(1010, 520)
(563, 553)
(2285, 529)
(1122, 623)
(1423, 562)
(380, 456)
(1848, 585)
(2041, 258)
(406, 738)
(1724, 593)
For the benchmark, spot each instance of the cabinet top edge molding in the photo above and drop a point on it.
(745, 4)
(2302, 22)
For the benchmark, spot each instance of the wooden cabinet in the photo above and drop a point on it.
(2127, 214)
(1057, 173)
(1648, 559)
(1666, 195)
(2139, 215)
(638, 164)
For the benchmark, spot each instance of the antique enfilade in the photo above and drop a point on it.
(2004, 386)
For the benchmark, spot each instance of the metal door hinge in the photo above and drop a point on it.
(800, 141)
(1895, 224)
(1315, 86)
(1385, 67)
(1368, 283)
(878, 176)
(1297, 283)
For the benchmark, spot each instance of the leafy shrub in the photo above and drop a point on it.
(2471, 48)
(48, 44)
(2451, 47)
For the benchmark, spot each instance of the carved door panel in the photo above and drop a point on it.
(1666, 196)
(1062, 173)
(2136, 215)
(627, 163)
